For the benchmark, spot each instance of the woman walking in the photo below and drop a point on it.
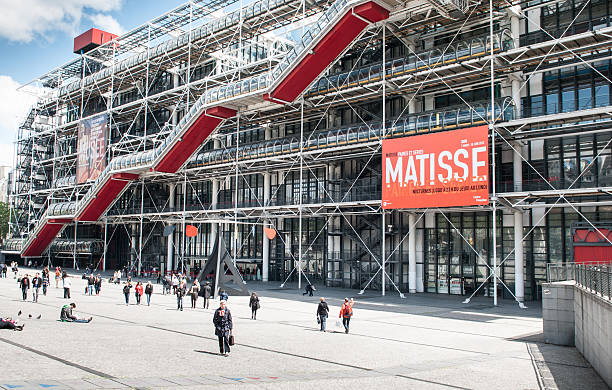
(194, 292)
(138, 292)
(148, 292)
(223, 327)
(254, 305)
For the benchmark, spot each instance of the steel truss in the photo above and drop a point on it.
(147, 79)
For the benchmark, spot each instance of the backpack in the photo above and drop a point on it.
(348, 311)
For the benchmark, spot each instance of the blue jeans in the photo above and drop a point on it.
(148, 299)
(90, 288)
(322, 319)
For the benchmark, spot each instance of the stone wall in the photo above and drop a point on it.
(593, 337)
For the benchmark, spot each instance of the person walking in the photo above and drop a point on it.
(175, 283)
(138, 292)
(254, 305)
(24, 283)
(91, 280)
(181, 290)
(148, 292)
(207, 292)
(58, 277)
(98, 284)
(194, 292)
(66, 284)
(309, 289)
(36, 285)
(223, 296)
(346, 312)
(223, 327)
(322, 313)
(45, 281)
(126, 292)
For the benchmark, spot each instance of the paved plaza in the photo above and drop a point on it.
(421, 342)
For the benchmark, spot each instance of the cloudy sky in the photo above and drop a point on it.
(37, 36)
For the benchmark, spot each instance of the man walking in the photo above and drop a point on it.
(322, 313)
(207, 292)
(25, 286)
(346, 312)
(223, 327)
(36, 285)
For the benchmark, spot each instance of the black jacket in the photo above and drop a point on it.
(149, 289)
(207, 291)
(223, 324)
(66, 314)
(36, 281)
(323, 309)
(254, 302)
(25, 283)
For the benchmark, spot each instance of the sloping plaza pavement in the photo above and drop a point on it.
(421, 342)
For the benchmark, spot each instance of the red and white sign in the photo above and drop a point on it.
(443, 169)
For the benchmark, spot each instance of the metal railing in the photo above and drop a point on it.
(593, 277)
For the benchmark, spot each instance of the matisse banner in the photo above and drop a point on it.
(443, 169)
(91, 148)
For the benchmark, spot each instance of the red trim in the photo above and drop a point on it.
(193, 139)
(222, 112)
(125, 176)
(44, 238)
(372, 11)
(105, 196)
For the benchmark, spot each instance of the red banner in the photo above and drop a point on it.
(91, 148)
(443, 169)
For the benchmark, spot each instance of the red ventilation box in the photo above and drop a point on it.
(91, 39)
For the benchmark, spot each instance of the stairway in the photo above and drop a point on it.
(320, 45)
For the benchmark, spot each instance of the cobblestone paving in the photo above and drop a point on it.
(421, 342)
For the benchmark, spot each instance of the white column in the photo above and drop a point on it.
(515, 31)
(519, 273)
(516, 82)
(266, 242)
(517, 166)
(412, 261)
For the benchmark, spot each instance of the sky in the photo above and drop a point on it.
(36, 36)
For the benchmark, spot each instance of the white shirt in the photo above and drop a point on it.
(66, 282)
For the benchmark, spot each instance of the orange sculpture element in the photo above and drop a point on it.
(191, 231)
(270, 233)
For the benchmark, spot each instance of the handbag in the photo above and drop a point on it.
(318, 320)
(231, 339)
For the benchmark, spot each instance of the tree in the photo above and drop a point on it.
(4, 220)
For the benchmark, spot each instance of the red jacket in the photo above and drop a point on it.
(139, 289)
(346, 311)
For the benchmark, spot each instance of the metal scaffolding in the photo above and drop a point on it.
(158, 79)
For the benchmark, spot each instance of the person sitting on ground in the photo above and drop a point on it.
(67, 316)
(8, 323)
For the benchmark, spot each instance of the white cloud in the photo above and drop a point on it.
(14, 106)
(107, 23)
(25, 20)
